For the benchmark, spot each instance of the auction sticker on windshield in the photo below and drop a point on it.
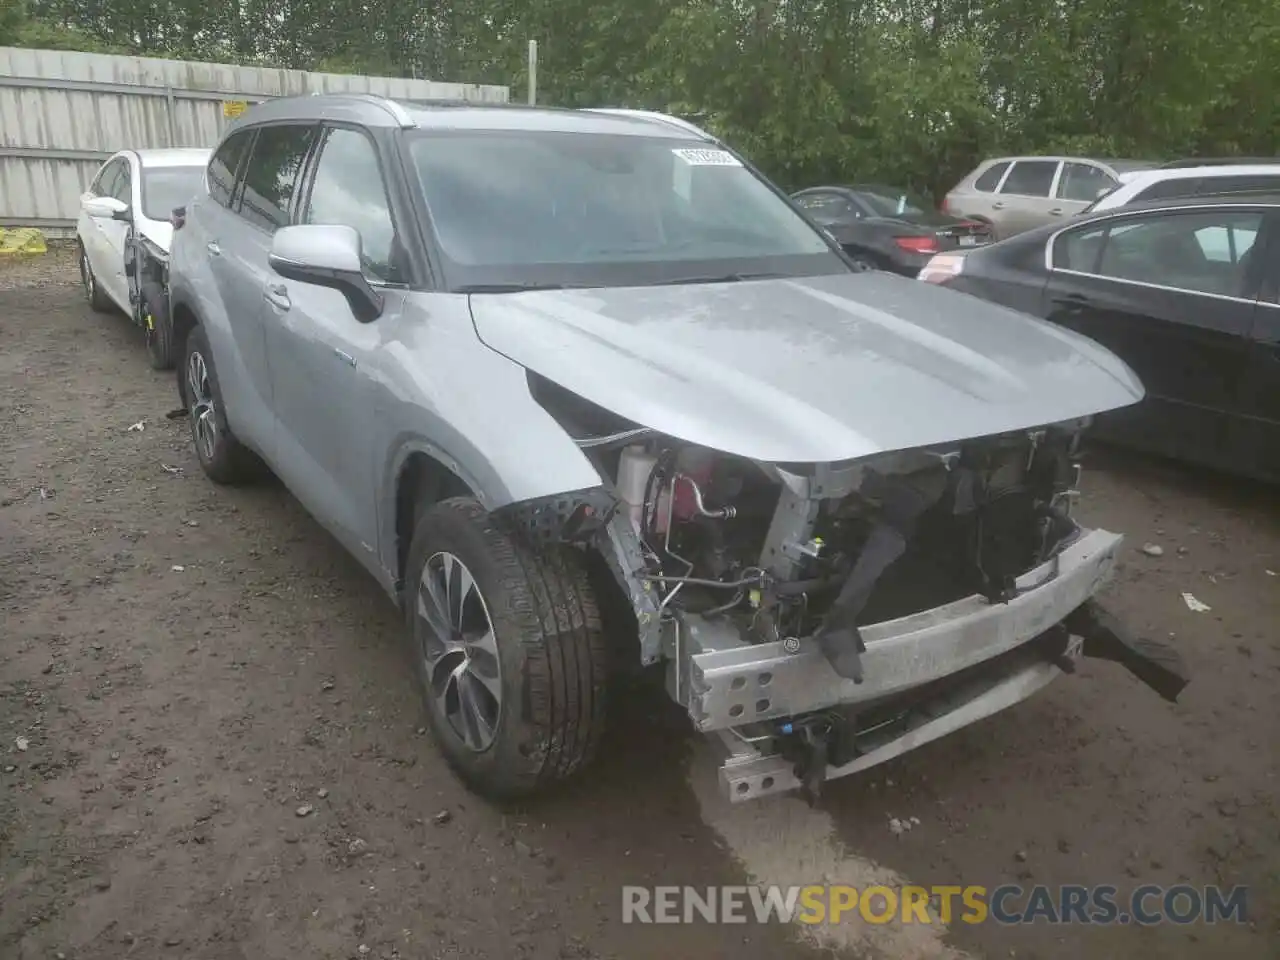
(708, 158)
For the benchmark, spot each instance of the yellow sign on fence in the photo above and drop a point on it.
(233, 108)
(21, 240)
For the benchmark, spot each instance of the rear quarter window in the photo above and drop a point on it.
(989, 179)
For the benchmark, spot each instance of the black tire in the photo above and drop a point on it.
(550, 645)
(98, 301)
(225, 459)
(157, 329)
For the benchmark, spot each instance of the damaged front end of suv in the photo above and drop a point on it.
(821, 618)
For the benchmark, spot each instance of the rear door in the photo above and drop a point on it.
(1026, 196)
(1079, 185)
(1170, 293)
(323, 360)
(1255, 434)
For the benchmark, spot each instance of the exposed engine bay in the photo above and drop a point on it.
(821, 618)
(791, 552)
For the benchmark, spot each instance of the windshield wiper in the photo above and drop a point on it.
(720, 278)
(507, 287)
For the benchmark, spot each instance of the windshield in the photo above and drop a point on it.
(164, 188)
(516, 208)
(888, 202)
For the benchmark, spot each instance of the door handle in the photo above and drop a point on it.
(345, 357)
(1055, 212)
(1071, 302)
(213, 248)
(998, 205)
(278, 297)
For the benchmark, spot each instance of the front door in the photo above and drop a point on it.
(323, 360)
(1168, 293)
(1025, 197)
(105, 238)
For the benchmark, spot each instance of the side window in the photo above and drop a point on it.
(1168, 190)
(1256, 183)
(104, 184)
(827, 207)
(122, 186)
(272, 174)
(1084, 182)
(348, 189)
(1203, 252)
(1079, 250)
(1030, 178)
(226, 164)
(990, 178)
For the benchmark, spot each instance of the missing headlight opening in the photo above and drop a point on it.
(822, 618)
(814, 551)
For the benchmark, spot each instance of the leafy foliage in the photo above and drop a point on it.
(912, 92)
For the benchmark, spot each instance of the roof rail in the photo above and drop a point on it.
(666, 118)
(398, 113)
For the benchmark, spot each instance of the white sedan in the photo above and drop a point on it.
(125, 230)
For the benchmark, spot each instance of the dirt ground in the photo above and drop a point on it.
(210, 743)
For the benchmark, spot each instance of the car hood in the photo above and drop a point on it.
(806, 370)
(158, 232)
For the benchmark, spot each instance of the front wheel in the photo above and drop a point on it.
(509, 650)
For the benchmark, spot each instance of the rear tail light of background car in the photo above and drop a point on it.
(943, 267)
(917, 244)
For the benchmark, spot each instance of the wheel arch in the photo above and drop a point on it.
(184, 319)
(422, 477)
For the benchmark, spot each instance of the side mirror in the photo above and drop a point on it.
(326, 255)
(106, 208)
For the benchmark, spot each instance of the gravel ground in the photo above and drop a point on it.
(224, 759)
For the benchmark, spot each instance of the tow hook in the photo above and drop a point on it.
(1104, 637)
(815, 742)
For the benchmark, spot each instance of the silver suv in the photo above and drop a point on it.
(1014, 194)
(584, 393)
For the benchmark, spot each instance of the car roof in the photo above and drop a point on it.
(1221, 200)
(1216, 161)
(1118, 165)
(1211, 171)
(374, 111)
(1248, 199)
(173, 157)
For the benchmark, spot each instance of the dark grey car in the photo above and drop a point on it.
(584, 392)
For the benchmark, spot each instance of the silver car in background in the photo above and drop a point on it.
(1014, 194)
(585, 393)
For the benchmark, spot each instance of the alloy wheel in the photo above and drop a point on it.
(200, 405)
(86, 276)
(460, 651)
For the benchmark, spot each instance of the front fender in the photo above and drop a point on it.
(443, 393)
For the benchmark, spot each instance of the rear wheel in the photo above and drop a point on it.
(509, 650)
(92, 292)
(222, 457)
